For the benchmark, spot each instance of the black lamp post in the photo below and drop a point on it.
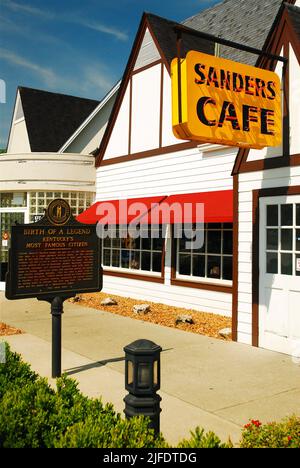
(142, 381)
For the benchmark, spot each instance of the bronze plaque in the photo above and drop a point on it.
(55, 256)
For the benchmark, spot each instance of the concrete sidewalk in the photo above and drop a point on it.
(214, 384)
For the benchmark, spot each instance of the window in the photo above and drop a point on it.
(79, 201)
(13, 199)
(212, 261)
(141, 254)
(283, 239)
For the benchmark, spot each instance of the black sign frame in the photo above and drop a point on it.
(48, 221)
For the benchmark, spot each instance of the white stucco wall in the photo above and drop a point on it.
(91, 135)
(19, 142)
(47, 171)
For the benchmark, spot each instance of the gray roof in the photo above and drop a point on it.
(245, 21)
(294, 13)
(163, 30)
(51, 118)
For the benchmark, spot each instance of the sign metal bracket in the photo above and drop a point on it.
(181, 29)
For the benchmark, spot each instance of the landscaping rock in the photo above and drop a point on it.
(184, 319)
(225, 332)
(141, 308)
(108, 301)
(75, 299)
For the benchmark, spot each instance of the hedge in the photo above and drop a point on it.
(32, 414)
(35, 415)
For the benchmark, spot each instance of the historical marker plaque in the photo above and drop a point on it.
(55, 256)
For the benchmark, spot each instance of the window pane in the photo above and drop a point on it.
(106, 242)
(272, 215)
(213, 267)
(156, 262)
(106, 257)
(272, 263)
(214, 226)
(185, 264)
(199, 265)
(298, 265)
(286, 264)
(298, 240)
(157, 244)
(146, 244)
(286, 239)
(127, 242)
(125, 258)
(227, 242)
(116, 243)
(227, 268)
(146, 261)
(214, 242)
(298, 215)
(286, 215)
(183, 243)
(228, 226)
(135, 243)
(272, 239)
(135, 260)
(115, 261)
(202, 235)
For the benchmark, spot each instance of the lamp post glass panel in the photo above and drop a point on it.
(142, 380)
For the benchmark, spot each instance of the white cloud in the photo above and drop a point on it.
(48, 15)
(12, 27)
(96, 26)
(27, 9)
(47, 75)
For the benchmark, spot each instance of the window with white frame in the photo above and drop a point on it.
(142, 254)
(212, 261)
(283, 239)
(38, 202)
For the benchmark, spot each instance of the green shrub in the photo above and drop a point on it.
(201, 440)
(285, 434)
(35, 415)
(107, 430)
(15, 372)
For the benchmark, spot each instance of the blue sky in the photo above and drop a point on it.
(72, 46)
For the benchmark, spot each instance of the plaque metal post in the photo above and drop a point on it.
(57, 309)
(56, 312)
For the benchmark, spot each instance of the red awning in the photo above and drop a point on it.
(119, 211)
(207, 207)
(217, 206)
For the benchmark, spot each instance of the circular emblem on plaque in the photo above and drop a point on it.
(58, 212)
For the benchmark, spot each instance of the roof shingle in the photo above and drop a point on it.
(243, 21)
(51, 118)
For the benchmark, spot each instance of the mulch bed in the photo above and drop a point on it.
(6, 330)
(204, 323)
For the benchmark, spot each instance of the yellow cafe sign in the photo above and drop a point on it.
(215, 100)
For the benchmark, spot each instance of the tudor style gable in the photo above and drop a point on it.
(18, 141)
(141, 121)
(284, 41)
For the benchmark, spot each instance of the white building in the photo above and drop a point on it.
(139, 158)
(48, 156)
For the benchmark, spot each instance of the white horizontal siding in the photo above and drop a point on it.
(244, 338)
(148, 52)
(189, 298)
(181, 172)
